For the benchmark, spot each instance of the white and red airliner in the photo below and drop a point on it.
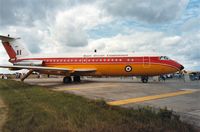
(87, 65)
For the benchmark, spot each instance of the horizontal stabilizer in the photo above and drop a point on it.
(6, 38)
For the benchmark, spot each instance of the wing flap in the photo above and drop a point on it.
(83, 71)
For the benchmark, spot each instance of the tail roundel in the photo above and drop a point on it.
(13, 48)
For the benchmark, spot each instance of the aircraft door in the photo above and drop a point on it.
(146, 62)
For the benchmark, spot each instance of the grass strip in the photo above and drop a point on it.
(34, 108)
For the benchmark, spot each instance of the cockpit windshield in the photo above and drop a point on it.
(164, 58)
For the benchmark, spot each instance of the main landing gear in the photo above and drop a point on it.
(68, 79)
(144, 79)
(77, 79)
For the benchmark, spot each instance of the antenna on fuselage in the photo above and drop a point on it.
(95, 51)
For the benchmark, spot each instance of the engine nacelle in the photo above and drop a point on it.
(29, 63)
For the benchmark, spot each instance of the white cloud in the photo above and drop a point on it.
(70, 27)
(67, 30)
(85, 16)
(191, 25)
(136, 41)
(151, 11)
(171, 41)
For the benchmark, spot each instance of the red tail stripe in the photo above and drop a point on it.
(10, 51)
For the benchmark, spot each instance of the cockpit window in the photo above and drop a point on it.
(164, 58)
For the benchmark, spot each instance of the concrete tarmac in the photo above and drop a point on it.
(177, 95)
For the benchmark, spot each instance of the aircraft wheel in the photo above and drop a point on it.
(67, 80)
(144, 79)
(77, 79)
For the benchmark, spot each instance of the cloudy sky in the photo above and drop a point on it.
(168, 27)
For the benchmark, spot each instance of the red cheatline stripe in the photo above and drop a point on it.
(108, 60)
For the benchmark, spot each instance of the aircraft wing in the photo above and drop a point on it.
(35, 68)
(51, 69)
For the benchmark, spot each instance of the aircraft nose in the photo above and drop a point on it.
(181, 67)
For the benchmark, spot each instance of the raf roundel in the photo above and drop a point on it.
(128, 68)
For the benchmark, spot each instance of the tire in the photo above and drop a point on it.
(76, 79)
(67, 80)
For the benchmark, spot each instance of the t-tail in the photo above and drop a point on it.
(13, 48)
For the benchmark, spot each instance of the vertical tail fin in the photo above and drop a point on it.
(13, 48)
